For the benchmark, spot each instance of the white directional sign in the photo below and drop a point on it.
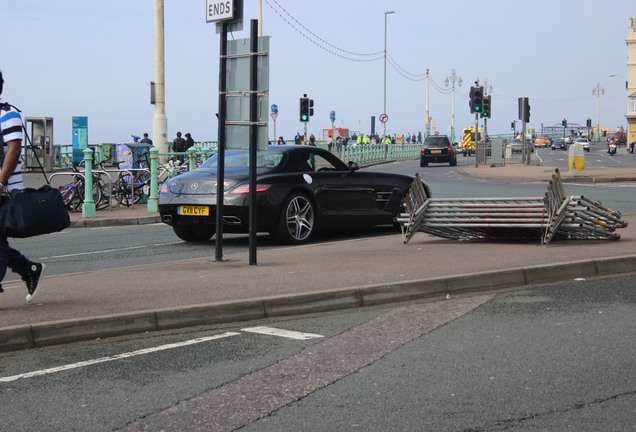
(217, 10)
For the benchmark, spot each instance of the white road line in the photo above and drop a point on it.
(271, 331)
(116, 357)
(111, 250)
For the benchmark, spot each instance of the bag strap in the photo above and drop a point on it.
(6, 106)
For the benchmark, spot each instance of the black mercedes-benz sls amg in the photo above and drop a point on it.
(300, 189)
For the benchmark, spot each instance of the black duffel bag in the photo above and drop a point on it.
(32, 212)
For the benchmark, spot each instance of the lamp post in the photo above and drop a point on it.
(384, 107)
(598, 91)
(453, 78)
(620, 76)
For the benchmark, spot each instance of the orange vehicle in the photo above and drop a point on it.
(540, 142)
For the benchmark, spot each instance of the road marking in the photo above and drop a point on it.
(288, 334)
(111, 250)
(116, 357)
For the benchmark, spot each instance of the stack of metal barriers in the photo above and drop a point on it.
(554, 216)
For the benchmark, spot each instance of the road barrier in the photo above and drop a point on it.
(554, 216)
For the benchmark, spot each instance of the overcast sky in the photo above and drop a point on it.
(64, 58)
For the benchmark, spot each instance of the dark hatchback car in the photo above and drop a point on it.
(437, 149)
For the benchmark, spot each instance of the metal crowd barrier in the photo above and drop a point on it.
(554, 216)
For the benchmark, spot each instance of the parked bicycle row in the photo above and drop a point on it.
(113, 185)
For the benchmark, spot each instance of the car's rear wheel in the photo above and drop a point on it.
(423, 163)
(453, 162)
(297, 221)
(193, 234)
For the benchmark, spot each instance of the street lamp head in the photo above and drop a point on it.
(459, 81)
(388, 12)
(446, 82)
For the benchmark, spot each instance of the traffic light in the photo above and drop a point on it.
(476, 99)
(304, 109)
(486, 107)
(524, 109)
(564, 123)
(311, 107)
(512, 125)
(589, 123)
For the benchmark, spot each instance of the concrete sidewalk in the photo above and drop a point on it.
(290, 280)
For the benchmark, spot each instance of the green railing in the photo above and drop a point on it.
(360, 153)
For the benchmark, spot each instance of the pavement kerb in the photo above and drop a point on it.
(88, 222)
(74, 330)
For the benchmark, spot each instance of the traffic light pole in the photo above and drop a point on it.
(477, 134)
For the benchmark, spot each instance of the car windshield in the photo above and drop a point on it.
(240, 159)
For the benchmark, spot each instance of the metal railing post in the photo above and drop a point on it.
(153, 199)
(192, 158)
(88, 208)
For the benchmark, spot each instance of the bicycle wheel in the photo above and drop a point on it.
(104, 194)
(97, 192)
(71, 198)
(141, 185)
(121, 191)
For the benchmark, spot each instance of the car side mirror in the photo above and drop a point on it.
(353, 166)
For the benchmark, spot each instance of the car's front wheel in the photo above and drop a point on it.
(297, 221)
(193, 234)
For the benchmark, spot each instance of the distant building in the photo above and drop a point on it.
(631, 81)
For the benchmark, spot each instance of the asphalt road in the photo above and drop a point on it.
(557, 357)
(86, 249)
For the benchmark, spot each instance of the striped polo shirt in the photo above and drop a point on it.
(11, 129)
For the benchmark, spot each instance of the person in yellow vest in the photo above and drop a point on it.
(362, 139)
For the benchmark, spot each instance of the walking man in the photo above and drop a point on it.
(11, 178)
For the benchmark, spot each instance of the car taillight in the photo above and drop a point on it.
(422, 149)
(450, 148)
(245, 188)
(164, 188)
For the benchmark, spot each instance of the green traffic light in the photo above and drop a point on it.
(304, 117)
(477, 108)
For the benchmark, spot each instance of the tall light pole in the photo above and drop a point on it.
(453, 78)
(384, 108)
(598, 91)
(159, 120)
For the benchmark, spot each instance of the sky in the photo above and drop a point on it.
(65, 58)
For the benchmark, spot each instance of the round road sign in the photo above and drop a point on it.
(384, 118)
(274, 108)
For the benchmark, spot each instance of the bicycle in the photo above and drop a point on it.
(73, 193)
(131, 186)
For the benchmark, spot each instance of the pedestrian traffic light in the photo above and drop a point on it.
(304, 109)
(564, 123)
(524, 109)
(476, 99)
(486, 107)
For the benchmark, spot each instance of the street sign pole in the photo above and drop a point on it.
(253, 137)
(221, 143)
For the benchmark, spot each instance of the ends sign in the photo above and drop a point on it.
(218, 10)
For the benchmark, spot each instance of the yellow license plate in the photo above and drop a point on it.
(435, 151)
(189, 210)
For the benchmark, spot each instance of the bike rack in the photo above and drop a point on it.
(553, 216)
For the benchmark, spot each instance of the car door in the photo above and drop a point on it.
(342, 197)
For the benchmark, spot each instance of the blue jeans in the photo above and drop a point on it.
(11, 258)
